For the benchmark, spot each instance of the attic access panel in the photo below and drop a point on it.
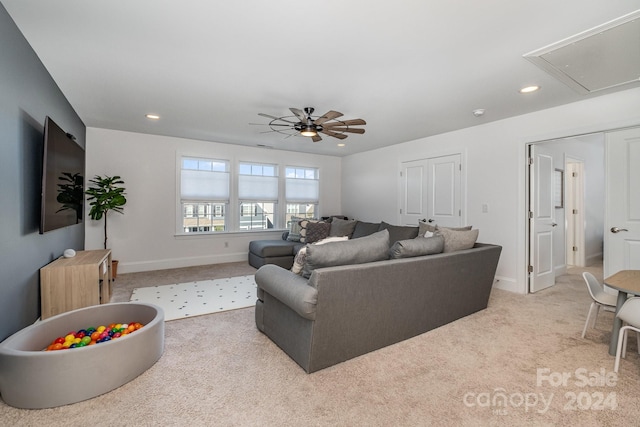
(603, 57)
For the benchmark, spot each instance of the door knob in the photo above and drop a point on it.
(553, 224)
(617, 230)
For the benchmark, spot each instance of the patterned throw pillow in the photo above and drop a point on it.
(294, 229)
(317, 231)
(313, 230)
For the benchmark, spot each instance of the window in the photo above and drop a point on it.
(258, 195)
(302, 192)
(204, 194)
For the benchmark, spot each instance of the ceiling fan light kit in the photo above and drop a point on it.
(310, 126)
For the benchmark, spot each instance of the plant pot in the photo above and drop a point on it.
(114, 269)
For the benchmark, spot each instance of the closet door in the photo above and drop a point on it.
(431, 190)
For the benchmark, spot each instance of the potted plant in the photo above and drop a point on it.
(106, 194)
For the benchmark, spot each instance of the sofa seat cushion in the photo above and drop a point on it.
(272, 248)
(370, 248)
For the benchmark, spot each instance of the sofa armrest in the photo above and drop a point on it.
(290, 289)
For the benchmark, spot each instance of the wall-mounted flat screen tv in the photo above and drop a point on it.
(62, 197)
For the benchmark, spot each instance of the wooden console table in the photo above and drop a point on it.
(70, 283)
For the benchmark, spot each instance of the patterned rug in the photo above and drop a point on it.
(197, 298)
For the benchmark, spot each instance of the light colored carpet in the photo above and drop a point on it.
(219, 370)
(201, 297)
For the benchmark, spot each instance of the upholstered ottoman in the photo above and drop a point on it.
(278, 252)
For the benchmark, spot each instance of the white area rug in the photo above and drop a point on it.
(197, 298)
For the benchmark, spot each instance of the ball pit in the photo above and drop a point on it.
(92, 336)
(31, 378)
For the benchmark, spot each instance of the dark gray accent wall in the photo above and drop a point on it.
(27, 95)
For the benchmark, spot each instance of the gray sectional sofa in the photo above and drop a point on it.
(282, 252)
(331, 314)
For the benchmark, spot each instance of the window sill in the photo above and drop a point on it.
(205, 235)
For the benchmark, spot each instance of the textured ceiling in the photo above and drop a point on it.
(410, 68)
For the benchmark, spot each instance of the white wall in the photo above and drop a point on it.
(144, 237)
(495, 171)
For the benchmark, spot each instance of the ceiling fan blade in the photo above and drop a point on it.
(316, 138)
(299, 114)
(352, 122)
(275, 118)
(350, 130)
(330, 115)
(334, 134)
(270, 124)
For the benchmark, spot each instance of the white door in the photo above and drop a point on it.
(444, 206)
(415, 194)
(541, 219)
(432, 191)
(622, 214)
(574, 212)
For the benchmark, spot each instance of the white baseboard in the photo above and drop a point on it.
(136, 267)
(508, 284)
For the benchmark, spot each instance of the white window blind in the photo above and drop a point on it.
(204, 179)
(302, 185)
(257, 182)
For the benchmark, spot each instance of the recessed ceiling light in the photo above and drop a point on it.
(479, 112)
(152, 116)
(341, 144)
(529, 89)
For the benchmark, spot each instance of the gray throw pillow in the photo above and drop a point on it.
(432, 228)
(456, 240)
(424, 227)
(417, 247)
(370, 248)
(342, 227)
(399, 232)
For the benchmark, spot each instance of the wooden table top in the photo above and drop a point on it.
(625, 280)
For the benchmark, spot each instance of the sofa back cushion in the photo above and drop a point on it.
(370, 248)
(365, 229)
(399, 232)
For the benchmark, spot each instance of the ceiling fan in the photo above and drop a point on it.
(303, 123)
